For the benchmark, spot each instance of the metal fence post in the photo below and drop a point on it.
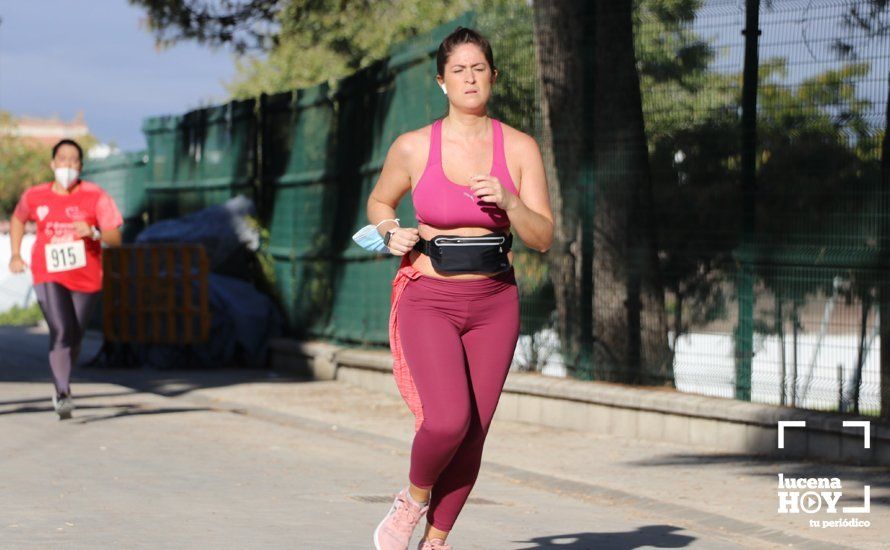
(744, 338)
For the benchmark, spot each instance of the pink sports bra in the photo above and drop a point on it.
(441, 203)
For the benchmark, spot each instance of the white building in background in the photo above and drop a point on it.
(101, 151)
(48, 131)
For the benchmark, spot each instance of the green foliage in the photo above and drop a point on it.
(809, 170)
(810, 167)
(22, 164)
(508, 26)
(323, 40)
(263, 254)
(667, 48)
(817, 166)
(243, 24)
(679, 90)
(20, 317)
(864, 21)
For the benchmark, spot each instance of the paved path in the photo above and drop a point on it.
(248, 459)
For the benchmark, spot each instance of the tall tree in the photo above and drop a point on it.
(564, 49)
(592, 109)
(630, 328)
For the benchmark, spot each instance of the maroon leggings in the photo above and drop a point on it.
(458, 338)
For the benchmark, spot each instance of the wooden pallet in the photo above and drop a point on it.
(156, 293)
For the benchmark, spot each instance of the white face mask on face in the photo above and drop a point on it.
(66, 176)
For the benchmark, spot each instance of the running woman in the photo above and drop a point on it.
(455, 312)
(73, 218)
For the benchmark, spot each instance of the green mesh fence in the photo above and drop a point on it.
(783, 311)
(656, 277)
(300, 184)
(201, 158)
(123, 176)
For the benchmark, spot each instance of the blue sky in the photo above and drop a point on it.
(58, 57)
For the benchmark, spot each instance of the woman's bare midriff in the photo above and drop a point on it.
(422, 263)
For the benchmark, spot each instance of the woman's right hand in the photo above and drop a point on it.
(17, 264)
(403, 240)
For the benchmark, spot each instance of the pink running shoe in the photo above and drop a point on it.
(435, 544)
(394, 532)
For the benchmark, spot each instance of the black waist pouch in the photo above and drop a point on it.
(456, 254)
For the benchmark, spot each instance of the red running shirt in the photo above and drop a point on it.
(55, 215)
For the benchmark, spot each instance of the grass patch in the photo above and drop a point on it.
(21, 316)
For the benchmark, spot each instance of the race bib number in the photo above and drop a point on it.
(65, 256)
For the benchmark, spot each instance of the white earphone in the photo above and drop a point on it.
(444, 91)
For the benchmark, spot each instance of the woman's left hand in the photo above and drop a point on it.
(83, 229)
(489, 189)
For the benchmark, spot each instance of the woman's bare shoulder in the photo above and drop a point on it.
(412, 143)
(409, 151)
(518, 142)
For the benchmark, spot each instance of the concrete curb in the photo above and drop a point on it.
(651, 414)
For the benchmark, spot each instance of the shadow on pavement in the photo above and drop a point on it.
(23, 359)
(135, 411)
(697, 459)
(78, 396)
(120, 411)
(654, 536)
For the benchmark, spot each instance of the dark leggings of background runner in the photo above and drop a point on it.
(66, 313)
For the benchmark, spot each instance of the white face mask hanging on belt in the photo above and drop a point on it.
(368, 238)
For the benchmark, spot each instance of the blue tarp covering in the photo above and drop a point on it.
(243, 319)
